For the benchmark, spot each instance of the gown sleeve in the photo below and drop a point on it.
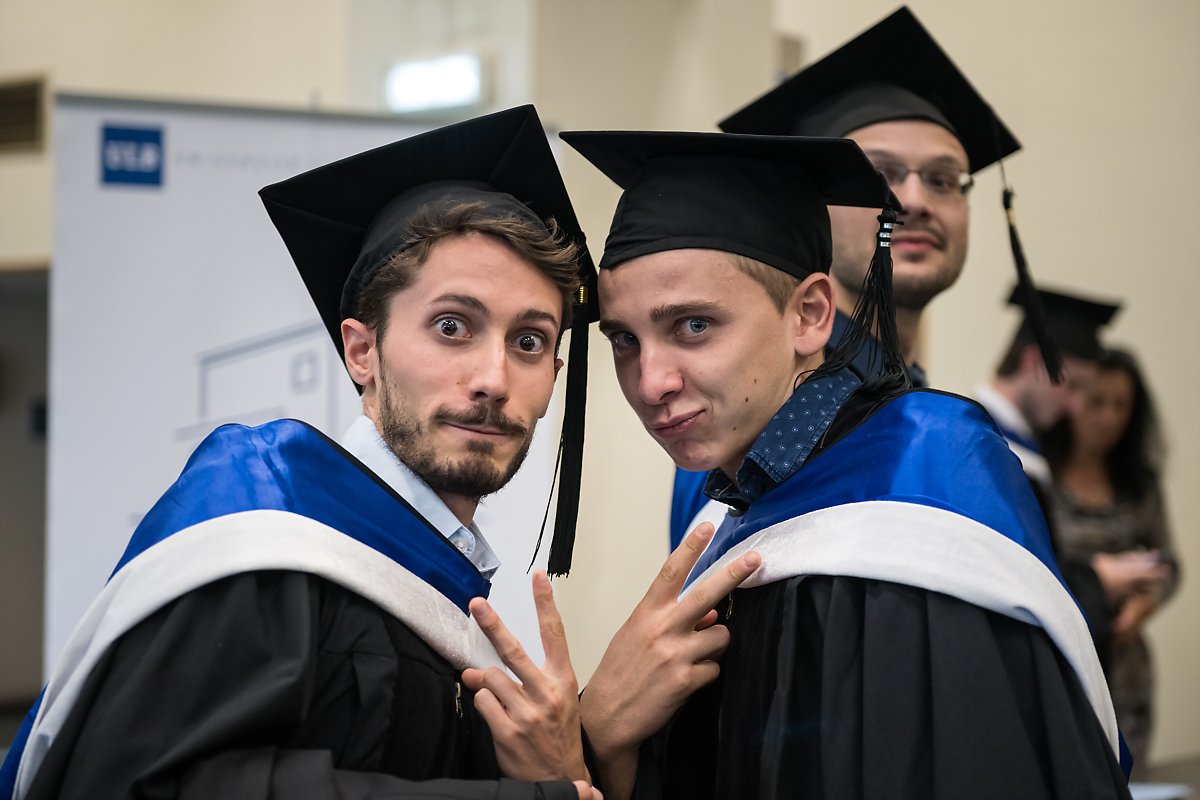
(262, 685)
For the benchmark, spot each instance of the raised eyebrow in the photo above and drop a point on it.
(538, 315)
(659, 313)
(470, 301)
(947, 159)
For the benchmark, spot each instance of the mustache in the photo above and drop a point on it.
(482, 415)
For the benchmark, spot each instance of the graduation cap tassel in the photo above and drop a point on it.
(875, 314)
(1034, 313)
(568, 467)
(1031, 302)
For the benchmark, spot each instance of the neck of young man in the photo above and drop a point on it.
(460, 506)
(908, 321)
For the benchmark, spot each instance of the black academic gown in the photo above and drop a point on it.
(298, 689)
(862, 689)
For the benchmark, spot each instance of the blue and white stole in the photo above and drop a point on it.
(280, 496)
(687, 501)
(925, 493)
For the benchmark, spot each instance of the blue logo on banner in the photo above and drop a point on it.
(132, 155)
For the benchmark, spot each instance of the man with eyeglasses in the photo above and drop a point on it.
(897, 94)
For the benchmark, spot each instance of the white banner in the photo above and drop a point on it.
(175, 308)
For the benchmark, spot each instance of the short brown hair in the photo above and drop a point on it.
(545, 247)
(778, 284)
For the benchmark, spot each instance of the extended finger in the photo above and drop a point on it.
(678, 566)
(705, 594)
(550, 624)
(507, 646)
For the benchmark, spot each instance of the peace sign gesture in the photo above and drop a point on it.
(534, 723)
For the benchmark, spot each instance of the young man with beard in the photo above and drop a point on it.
(291, 618)
(909, 635)
(895, 92)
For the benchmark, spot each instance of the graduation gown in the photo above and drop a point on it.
(283, 624)
(907, 637)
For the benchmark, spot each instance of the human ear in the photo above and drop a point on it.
(812, 309)
(358, 342)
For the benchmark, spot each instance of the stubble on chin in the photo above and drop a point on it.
(473, 473)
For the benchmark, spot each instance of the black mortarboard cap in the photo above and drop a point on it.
(894, 70)
(341, 222)
(1074, 322)
(763, 197)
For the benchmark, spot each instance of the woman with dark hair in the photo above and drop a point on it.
(1108, 511)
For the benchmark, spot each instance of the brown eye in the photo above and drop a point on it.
(531, 343)
(451, 327)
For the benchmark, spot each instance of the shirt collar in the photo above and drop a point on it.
(787, 441)
(1005, 414)
(363, 441)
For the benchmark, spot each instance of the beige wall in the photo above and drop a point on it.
(1101, 93)
(266, 52)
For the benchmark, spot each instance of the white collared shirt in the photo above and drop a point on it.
(1009, 418)
(363, 442)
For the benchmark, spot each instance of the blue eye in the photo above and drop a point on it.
(694, 326)
(622, 340)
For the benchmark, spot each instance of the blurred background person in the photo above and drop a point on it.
(1105, 457)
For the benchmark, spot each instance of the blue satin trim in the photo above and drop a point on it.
(687, 498)
(288, 466)
(924, 447)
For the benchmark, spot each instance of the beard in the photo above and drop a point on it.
(471, 473)
(915, 291)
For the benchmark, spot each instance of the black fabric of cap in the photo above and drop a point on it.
(893, 71)
(762, 197)
(1073, 321)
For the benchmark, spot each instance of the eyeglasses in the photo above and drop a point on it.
(942, 180)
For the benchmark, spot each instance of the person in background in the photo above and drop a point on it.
(1021, 397)
(895, 92)
(1106, 459)
(1025, 403)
